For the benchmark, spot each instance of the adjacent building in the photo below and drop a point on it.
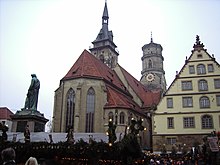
(5, 117)
(190, 108)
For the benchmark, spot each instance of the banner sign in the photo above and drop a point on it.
(213, 143)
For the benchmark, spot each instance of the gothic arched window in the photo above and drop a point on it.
(70, 108)
(122, 118)
(207, 122)
(150, 65)
(201, 69)
(203, 85)
(204, 102)
(90, 110)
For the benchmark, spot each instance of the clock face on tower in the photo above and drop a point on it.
(150, 77)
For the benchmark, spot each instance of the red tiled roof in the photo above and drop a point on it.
(5, 113)
(149, 98)
(87, 65)
(118, 99)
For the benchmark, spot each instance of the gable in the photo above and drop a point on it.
(198, 57)
(88, 66)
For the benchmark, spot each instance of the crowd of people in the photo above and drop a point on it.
(8, 156)
(175, 161)
(187, 159)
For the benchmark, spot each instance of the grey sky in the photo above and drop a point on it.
(46, 37)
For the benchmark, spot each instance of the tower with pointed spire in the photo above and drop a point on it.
(103, 46)
(153, 74)
(96, 88)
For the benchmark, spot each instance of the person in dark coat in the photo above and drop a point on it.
(8, 156)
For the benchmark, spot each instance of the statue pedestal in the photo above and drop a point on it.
(33, 118)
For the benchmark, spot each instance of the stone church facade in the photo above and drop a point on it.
(97, 88)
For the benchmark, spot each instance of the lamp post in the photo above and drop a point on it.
(111, 132)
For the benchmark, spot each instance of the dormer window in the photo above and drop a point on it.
(75, 71)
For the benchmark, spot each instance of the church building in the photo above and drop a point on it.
(97, 89)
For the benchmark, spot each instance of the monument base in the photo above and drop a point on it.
(33, 118)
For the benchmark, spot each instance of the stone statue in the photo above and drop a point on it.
(32, 95)
(70, 136)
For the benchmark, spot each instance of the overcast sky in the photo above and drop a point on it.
(46, 37)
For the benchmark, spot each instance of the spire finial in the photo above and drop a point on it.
(151, 38)
(105, 14)
(197, 40)
(198, 45)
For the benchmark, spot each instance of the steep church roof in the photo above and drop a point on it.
(88, 66)
(118, 99)
(149, 98)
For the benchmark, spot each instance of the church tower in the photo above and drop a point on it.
(103, 46)
(153, 74)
